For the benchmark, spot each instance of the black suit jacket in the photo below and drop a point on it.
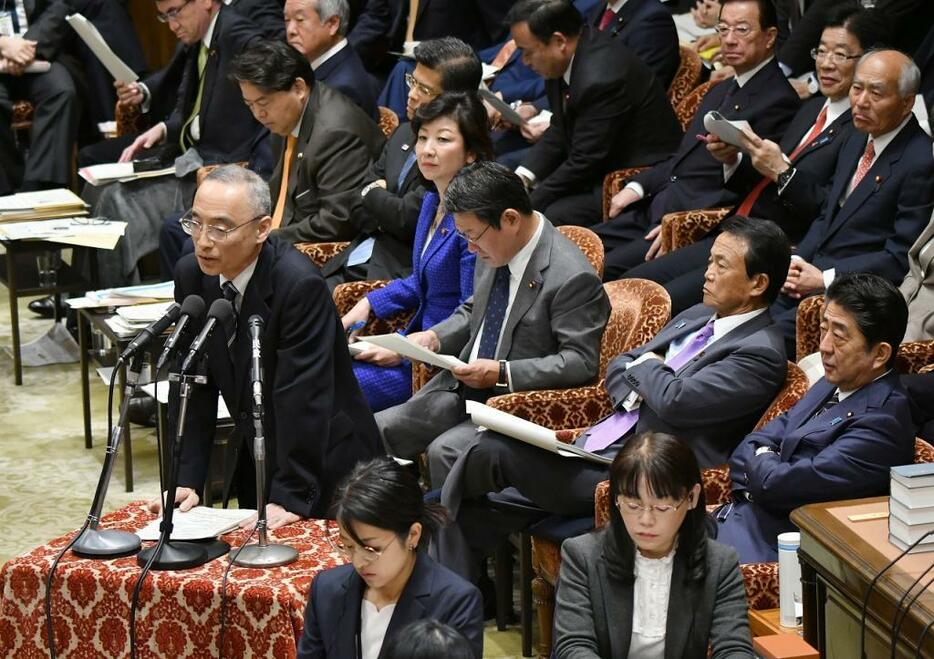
(613, 115)
(649, 31)
(390, 216)
(317, 422)
(479, 23)
(692, 178)
(801, 200)
(344, 72)
(229, 133)
(884, 215)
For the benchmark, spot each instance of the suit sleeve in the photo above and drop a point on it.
(395, 213)
(805, 194)
(855, 465)
(372, 25)
(575, 636)
(464, 612)
(311, 645)
(468, 262)
(578, 311)
(398, 295)
(729, 625)
(454, 331)
(745, 453)
(50, 30)
(657, 46)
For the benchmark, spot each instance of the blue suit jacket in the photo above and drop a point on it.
(843, 453)
(344, 72)
(441, 279)
(884, 215)
(332, 616)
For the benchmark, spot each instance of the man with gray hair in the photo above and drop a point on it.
(317, 422)
(318, 29)
(880, 195)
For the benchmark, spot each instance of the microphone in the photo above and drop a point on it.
(154, 329)
(255, 324)
(221, 311)
(192, 313)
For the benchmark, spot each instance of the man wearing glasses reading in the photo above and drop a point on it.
(317, 422)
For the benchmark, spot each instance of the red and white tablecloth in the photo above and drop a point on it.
(179, 612)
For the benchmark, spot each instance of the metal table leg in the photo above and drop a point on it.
(83, 329)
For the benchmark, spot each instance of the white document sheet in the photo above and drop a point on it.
(730, 132)
(408, 348)
(89, 34)
(198, 523)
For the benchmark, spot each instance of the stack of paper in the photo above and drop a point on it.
(911, 507)
(129, 320)
(198, 523)
(120, 297)
(119, 171)
(70, 231)
(41, 205)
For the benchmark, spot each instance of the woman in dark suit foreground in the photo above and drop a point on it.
(652, 585)
(387, 583)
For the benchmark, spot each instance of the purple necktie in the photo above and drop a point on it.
(618, 424)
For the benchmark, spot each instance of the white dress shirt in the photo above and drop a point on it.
(373, 625)
(650, 596)
(240, 282)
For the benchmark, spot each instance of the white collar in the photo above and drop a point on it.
(567, 72)
(879, 143)
(518, 263)
(241, 281)
(843, 395)
(328, 54)
(615, 6)
(209, 35)
(743, 78)
(722, 326)
(298, 125)
(836, 108)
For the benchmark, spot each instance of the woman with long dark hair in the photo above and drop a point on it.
(652, 585)
(388, 582)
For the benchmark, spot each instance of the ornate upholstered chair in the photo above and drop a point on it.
(688, 106)
(687, 227)
(347, 295)
(388, 120)
(686, 77)
(613, 183)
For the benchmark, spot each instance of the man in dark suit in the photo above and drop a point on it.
(609, 111)
(534, 321)
(692, 177)
(479, 23)
(841, 439)
(883, 187)
(788, 189)
(317, 423)
(393, 190)
(317, 29)
(707, 377)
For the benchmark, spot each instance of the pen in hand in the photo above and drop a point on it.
(353, 327)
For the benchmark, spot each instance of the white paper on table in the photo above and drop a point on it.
(66, 230)
(408, 348)
(143, 313)
(198, 523)
(150, 390)
(41, 199)
(89, 34)
(730, 132)
(526, 431)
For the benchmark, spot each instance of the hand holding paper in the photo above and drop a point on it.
(728, 131)
(412, 348)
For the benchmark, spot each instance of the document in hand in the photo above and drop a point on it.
(501, 106)
(526, 431)
(730, 132)
(408, 348)
(198, 523)
(89, 34)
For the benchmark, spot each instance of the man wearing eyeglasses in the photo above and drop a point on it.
(692, 178)
(785, 181)
(317, 422)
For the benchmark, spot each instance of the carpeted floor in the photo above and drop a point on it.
(47, 475)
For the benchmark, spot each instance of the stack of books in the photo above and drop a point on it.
(911, 506)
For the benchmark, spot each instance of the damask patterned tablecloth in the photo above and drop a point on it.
(179, 612)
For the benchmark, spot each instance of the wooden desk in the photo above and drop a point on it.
(764, 622)
(839, 559)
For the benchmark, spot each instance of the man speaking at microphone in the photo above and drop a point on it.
(317, 422)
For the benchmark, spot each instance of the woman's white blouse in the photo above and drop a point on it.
(650, 606)
(373, 626)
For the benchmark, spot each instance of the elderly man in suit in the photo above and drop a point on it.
(841, 439)
(317, 422)
(692, 177)
(392, 190)
(707, 377)
(788, 189)
(883, 187)
(609, 110)
(317, 29)
(535, 319)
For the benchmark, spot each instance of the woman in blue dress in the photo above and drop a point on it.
(451, 131)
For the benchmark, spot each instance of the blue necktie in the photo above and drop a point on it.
(230, 292)
(406, 168)
(495, 314)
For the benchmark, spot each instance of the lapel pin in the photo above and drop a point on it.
(534, 283)
(737, 108)
(405, 147)
(849, 414)
(836, 420)
(444, 231)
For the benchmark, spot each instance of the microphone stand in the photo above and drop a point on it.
(176, 555)
(262, 554)
(94, 542)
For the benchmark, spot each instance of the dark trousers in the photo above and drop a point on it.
(920, 388)
(582, 210)
(681, 273)
(53, 133)
(105, 151)
(624, 243)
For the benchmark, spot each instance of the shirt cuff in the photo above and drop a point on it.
(829, 276)
(526, 173)
(637, 188)
(729, 170)
(147, 98)
(764, 449)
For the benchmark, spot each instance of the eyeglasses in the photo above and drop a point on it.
(215, 234)
(632, 508)
(367, 554)
(420, 87)
(741, 31)
(833, 56)
(472, 241)
(171, 14)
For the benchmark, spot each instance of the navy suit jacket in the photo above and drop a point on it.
(801, 200)
(884, 215)
(692, 178)
(317, 422)
(701, 402)
(647, 28)
(843, 453)
(344, 72)
(332, 615)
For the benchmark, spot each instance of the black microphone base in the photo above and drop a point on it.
(109, 543)
(183, 555)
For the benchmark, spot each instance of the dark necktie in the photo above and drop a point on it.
(833, 400)
(230, 293)
(495, 314)
(728, 98)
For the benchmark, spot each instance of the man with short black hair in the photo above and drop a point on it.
(841, 439)
(392, 190)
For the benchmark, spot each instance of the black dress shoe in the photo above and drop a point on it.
(142, 411)
(44, 307)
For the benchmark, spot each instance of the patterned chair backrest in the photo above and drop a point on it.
(639, 308)
(686, 77)
(796, 385)
(388, 120)
(688, 106)
(588, 242)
